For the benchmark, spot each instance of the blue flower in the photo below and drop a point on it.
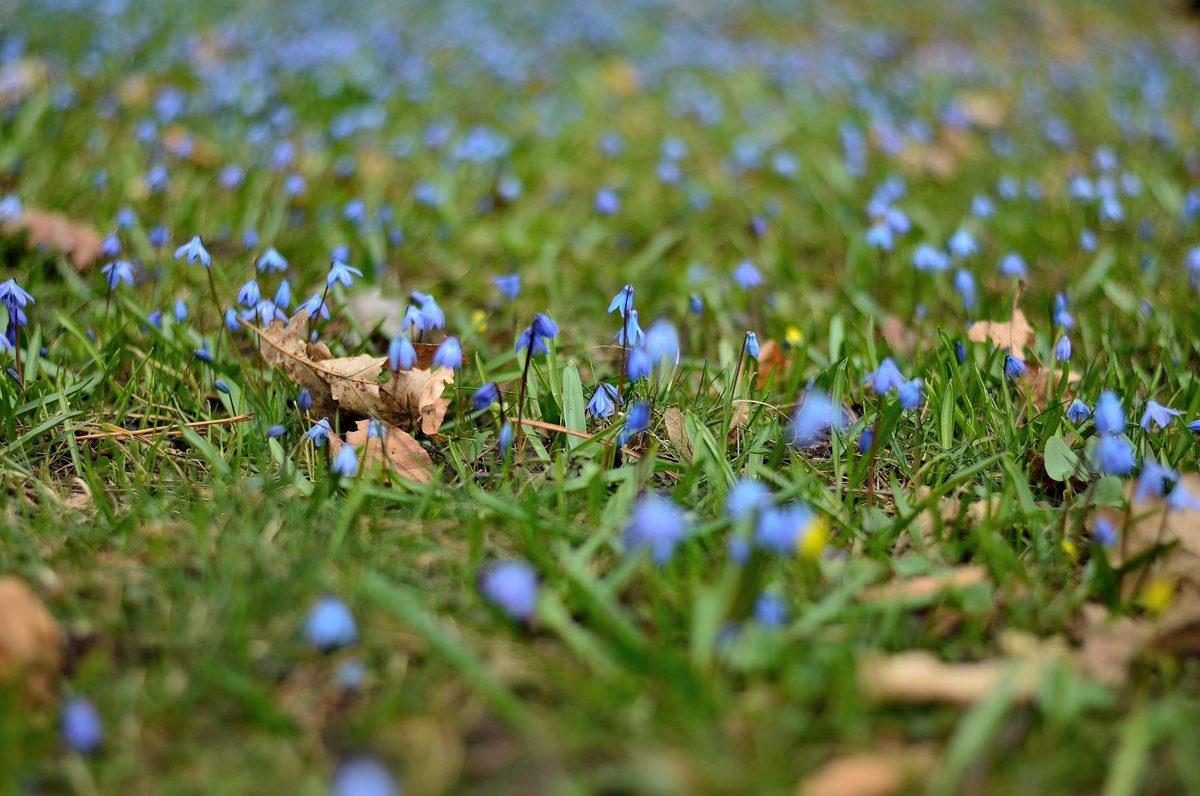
(606, 202)
(1115, 455)
(415, 318)
(1154, 480)
(222, 387)
(180, 311)
(126, 219)
(315, 306)
(272, 261)
(962, 244)
(630, 333)
(276, 431)
(330, 625)
(506, 439)
(346, 462)
(13, 296)
(512, 586)
(195, 252)
(249, 295)
(509, 285)
(639, 365)
(448, 354)
(82, 730)
(752, 347)
(662, 342)
(250, 239)
(304, 400)
(637, 421)
(746, 275)
(340, 273)
(283, 296)
(485, 396)
(866, 440)
(1013, 265)
(770, 610)
(11, 210)
(1103, 531)
(780, 529)
(1110, 416)
(1062, 351)
(1180, 499)
(885, 378)
(1078, 412)
(543, 326)
(964, 285)
(746, 497)
(118, 272)
(110, 246)
(910, 393)
(881, 237)
(604, 401)
(363, 776)
(1061, 316)
(401, 354)
(1014, 368)
(815, 418)
(927, 258)
(434, 317)
(622, 302)
(377, 429)
(657, 524)
(1157, 414)
(231, 320)
(695, 304)
(982, 206)
(155, 318)
(203, 354)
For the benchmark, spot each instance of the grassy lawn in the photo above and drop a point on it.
(877, 478)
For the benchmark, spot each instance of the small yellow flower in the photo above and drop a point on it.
(793, 337)
(479, 321)
(1158, 595)
(1070, 549)
(812, 540)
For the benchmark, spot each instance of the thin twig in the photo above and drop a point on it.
(170, 431)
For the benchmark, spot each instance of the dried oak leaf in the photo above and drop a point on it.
(1015, 335)
(352, 384)
(57, 233)
(397, 452)
(30, 641)
(869, 773)
(925, 586)
(676, 425)
(771, 363)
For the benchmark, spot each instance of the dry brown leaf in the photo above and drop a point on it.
(1110, 645)
(676, 425)
(771, 363)
(352, 384)
(1015, 335)
(30, 641)
(1176, 532)
(869, 774)
(919, 677)
(899, 336)
(924, 586)
(57, 233)
(398, 453)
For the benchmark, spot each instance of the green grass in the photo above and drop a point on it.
(181, 566)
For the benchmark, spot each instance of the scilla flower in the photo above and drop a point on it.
(401, 354)
(604, 401)
(964, 285)
(1114, 455)
(622, 302)
(346, 462)
(340, 273)
(272, 261)
(415, 318)
(506, 439)
(434, 317)
(509, 285)
(283, 296)
(249, 295)
(746, 497)
(639, 365)
(747, 276)
(962, 244)
(363, 776)
(752, 347)
(512, 586)
(448, 354)
(1078, 412)
(657, 524)
(815, 418)
(1157, 414)
(1110, 416)
(662, 343)
(485, 396)
(82, 730)
(330, 625)
(630, 333)
(910, 393)
(195, 252)
(770, 610)
(637, 421)
(117, 272)
(885, 378)
(1014, 367)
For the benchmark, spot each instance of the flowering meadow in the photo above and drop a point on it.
(637, 397)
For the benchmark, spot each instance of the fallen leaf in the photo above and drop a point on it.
(1110, 645)
(374, 310)
(1174, 534)
(919, 677)
(353, 384)
(924, 586)
(397, 452)
(869, 773)
(899, 336)
(676, 425)
(30, 640)
(771, 362)
(1015, 335)
(57, 233)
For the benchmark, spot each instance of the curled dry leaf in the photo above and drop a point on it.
(353, 384)
(1015, 335)
(870, 773)
(925, 586)
(397, 452)
(771, 363)
(57, 233)
(30, 641)
(676, 425)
